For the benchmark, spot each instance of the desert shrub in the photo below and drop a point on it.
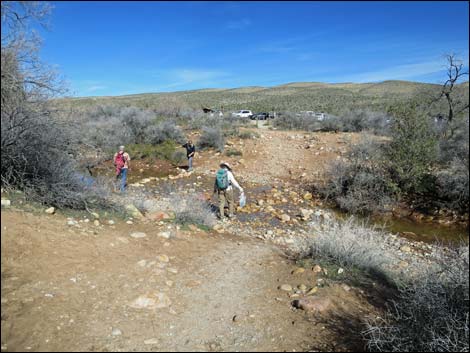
(165, 150)
(361, 184)
(413, 149)
(452, 185)
(350, 244)
(248, 135)
(38, 158)
(456, 145)
(191, 209)
(233, 152)
(164, 131)
(364, 120)
(211, 138)
(431, 313)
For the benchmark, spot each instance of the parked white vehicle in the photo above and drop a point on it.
(242, 114)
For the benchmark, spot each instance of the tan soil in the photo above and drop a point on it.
(65, 288)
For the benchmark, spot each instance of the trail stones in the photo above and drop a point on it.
(116, 332)
(165, 235)
(151, 301)
(163, 258)
(96, 215)
(157, 216)
(286, 287)
(151, 341)
(313, 304)
(285, 218)
(298, 271)
(6, 203)
(50, 210)
(307, 196)
(405, 248)
(96, 222)
(133, 211)
(317, 269)
(138, 235)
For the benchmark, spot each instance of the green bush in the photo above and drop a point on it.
(233, 152)
(248, 135)
(166, 150)
(414, 148)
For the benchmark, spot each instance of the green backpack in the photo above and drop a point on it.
(221, 178)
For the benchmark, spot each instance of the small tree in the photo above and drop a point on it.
(413, 148)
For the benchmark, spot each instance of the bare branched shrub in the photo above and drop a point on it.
(191, 209)
(361, 184)
(431, 313)
(164, 131)
(453, 185)
(211, 138)
(351, 244)
(37, 148)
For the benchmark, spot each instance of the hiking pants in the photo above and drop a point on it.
(123, 176)
(226, 195)
(190, 163)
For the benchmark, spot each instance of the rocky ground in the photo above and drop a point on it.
(143, 283)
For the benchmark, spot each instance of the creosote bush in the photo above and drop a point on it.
(431, 313)
(211, 138)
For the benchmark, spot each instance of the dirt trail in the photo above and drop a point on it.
(286, 155)
(96, 288)
(65, 288)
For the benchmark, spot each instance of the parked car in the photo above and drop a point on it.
(243, 114)
(261, 116)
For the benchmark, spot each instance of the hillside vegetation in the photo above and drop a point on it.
(330, 98)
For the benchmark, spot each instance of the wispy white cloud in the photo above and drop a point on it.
(238, 24)
(398, 72)
(96, 88)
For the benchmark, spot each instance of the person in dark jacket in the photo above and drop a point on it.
(190, 152)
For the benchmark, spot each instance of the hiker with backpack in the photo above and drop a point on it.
(121, 162)
(224, 181)
(190, 152)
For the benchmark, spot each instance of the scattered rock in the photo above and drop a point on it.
(285, 218)
(129, 222)
(340, 271)
(158, 216)
(116, 332)
(151, 341)
(96, 215)
(308, 196)
(346, 287)
(405, 248)
(151, 301)
(312, 291)
(286, 287)
(302, 287)
(133, 211)
(142, 263)
(165, 235)
(163, 258)
(50, 210)
(317, 269)
(298, 271)
(96, 222)
(138, 235)
(111, 222)
(313, 304)
(71, 222)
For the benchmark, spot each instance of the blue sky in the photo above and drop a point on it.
(116, 48)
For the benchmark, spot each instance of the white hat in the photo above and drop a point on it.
(222, 164)
(121, 148)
